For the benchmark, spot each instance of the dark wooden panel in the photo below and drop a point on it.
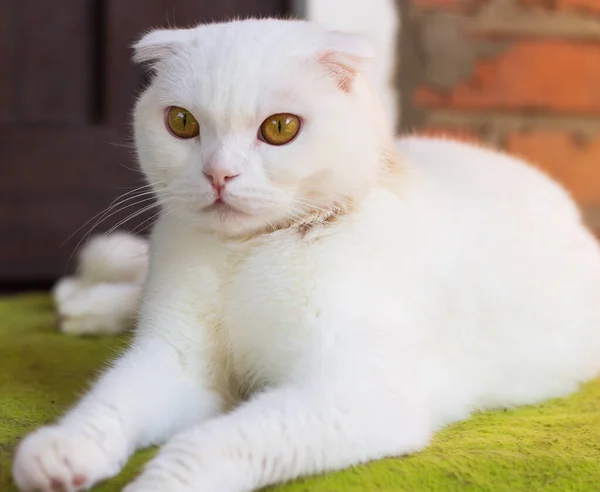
(62, 157)
(7, 60)
(55, 59)
(52, 181)
(36, 232)
(183, 13)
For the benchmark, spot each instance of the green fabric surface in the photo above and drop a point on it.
(550, 447)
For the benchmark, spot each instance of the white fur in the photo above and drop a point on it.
(115, 258)
(103, 296)
(96, 309)
(461, 280)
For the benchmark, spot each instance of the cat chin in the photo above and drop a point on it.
(224, 211)
(228, 223)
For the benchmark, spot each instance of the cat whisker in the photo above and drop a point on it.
(134, 188)
(87, 234)
(133, 169)
(130, 145)
(115, 144)
(102, 215)
(310, 203)
(131, 216)
(151, 220)
(112, 209)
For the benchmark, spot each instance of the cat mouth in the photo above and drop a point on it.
(219, 206)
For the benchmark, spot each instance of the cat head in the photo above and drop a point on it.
(254, 124)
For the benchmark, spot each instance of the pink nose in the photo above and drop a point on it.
(218, 177)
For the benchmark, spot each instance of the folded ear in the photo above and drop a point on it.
(344, 56)
(158, 44)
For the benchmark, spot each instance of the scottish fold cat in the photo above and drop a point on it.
(319, 294)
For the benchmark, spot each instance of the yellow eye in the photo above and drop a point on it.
(181, 122)
(280, 128)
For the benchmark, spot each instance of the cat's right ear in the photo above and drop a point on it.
(345, 55)
(159, 44)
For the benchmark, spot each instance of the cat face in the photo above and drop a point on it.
(254, 124)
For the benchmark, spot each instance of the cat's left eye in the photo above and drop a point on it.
(279, 129)
(182, 123)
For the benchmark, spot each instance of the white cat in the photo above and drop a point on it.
(318, 296)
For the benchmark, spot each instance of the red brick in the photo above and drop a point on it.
(584, 5)
(575, 162)
(438, 4)
(463, 5)
(530, 74)
(564, 5)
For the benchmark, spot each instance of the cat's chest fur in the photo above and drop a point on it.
(262, 309)
(270, 314)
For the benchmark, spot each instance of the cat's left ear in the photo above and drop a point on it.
(344, 56)
(159, 44)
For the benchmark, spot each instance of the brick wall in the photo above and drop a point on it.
(523, 75)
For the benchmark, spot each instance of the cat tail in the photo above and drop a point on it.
(104, 294)
(117, 257)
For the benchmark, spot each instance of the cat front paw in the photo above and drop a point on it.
(55, 459)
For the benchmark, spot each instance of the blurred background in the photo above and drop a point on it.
(522, 75)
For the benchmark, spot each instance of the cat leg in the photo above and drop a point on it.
(292, 431)
(157, 389)
(145, 398)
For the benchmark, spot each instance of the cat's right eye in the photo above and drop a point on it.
(279, 129)
(181, 122)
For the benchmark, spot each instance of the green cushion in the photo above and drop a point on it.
(551, 447)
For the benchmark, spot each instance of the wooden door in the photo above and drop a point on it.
(67, 87)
